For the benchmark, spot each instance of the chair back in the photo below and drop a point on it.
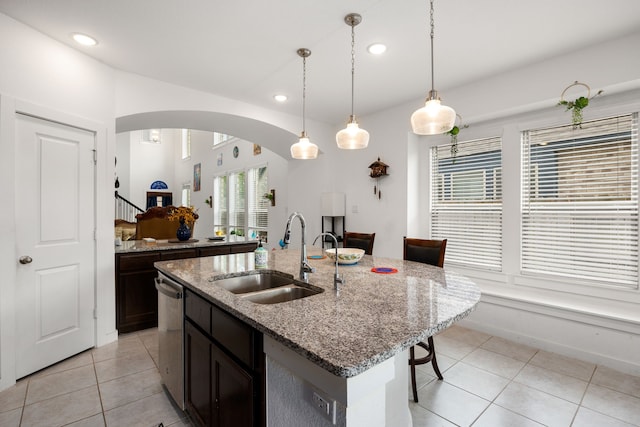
(359, 240)
(425, 251)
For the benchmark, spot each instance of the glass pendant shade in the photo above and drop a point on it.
(433, 119)
(352, 137)
(304, 149)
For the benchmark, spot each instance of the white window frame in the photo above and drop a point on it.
(471, 225)
(581, 232)
(185, 144)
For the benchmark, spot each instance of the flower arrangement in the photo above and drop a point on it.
(183, 213)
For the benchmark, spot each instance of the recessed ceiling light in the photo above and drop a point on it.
(84, 39)
(280, 98)
(376, 49)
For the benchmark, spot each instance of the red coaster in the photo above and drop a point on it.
(384, 270)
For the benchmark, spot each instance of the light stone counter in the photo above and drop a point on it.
(130, 246)
(373, 318)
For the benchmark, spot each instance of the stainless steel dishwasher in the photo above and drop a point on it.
(170, 336)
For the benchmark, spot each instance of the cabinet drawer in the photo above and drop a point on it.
(246, 247)
(211, 251)
(233, 334)
(198, 310)
(131, 262)
(178, 254)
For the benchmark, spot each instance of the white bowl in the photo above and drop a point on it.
(346, 255)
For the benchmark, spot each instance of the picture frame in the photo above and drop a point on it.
(197, 173)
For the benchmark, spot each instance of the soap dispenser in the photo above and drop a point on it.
(262, 256)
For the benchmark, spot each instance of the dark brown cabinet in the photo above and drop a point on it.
(224, 367)
(136, 295)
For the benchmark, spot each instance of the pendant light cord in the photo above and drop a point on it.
(353, 63)
(432, 34)
(304, 93)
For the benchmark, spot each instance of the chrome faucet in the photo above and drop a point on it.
(305, 268)
(337, 280)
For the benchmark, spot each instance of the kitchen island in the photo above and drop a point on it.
(343, 352)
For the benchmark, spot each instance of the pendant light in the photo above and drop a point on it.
(433, 118)
(304, 149)
(352, 137)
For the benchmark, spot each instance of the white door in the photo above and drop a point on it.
(55, 221)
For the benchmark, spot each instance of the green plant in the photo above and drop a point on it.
(576, 106)
(454, 139)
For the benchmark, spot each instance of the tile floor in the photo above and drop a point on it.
(488, 381)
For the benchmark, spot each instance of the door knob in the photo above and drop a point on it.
(25, 259)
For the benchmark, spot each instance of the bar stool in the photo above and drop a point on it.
(359, 240)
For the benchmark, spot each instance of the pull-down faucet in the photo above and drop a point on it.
(305, 268)
(337, 280)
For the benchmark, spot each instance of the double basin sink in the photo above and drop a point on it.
(267, 287)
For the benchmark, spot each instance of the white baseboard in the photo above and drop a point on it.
(582, 336)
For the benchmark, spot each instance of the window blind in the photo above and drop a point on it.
(258, 204)
(237, 199)
(220, 212)
(466, 202)
(580, 201)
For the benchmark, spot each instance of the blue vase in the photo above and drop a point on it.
(184, 232)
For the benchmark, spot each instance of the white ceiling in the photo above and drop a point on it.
(246, 49)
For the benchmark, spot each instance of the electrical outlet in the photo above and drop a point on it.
(325, 405)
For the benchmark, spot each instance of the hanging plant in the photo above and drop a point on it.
(576, 106)
(454, 137)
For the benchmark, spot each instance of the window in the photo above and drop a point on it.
(466, 202)
(219, 138)
(580, 201)
(220, 212)
(258, 204)
(237, 200)
(239, 206)
(186, 143)
(186, 194)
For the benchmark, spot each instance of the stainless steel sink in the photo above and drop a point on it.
(254, 282)
(281, 294)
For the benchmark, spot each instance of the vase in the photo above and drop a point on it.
(184, 232)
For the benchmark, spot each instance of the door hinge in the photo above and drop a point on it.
(95, 157)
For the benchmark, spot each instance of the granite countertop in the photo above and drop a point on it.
(129, 246)
(372, 318)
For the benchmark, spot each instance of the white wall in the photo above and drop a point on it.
(42, 72)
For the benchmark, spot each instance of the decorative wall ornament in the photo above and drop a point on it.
(197, 174)
(576, 106)
(378, 170)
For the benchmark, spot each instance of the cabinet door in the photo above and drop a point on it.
(233, 391)
(197, 359)
(136, 301)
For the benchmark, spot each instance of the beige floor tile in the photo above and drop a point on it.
(564, 365)
(11, 418)
(613, 403)
(146, 412)
(95, 421)
(444, 361)
(452, 348)
(476, 381)
(617, 380)
(130, 388)
(588, 418)
(508, 348)
(496, 416)
(79, 360)
(119, 367)
(495, 363)
(126, 346)
(423, 377)
(559, 385)
(469, 336)
(14, 396)
(49, 386)
(423, 418)
(537, 405)
(62, 410)
(451, 403)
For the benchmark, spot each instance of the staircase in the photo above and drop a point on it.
(126, 210)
